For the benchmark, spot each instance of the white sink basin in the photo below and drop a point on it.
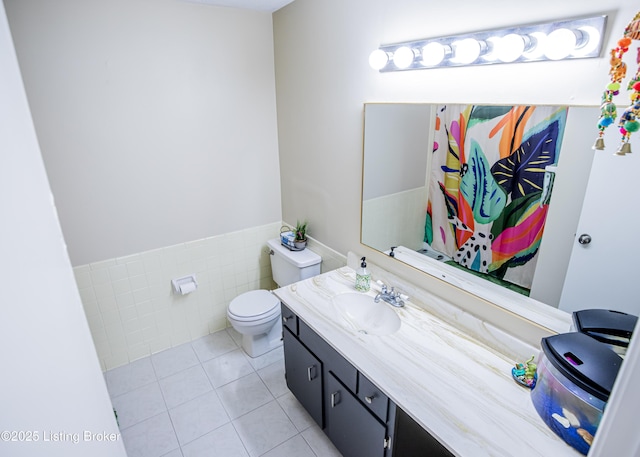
(365, 315)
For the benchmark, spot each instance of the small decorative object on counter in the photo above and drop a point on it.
(300, 240)
(526, 374)
(294, 239)
(363, 277)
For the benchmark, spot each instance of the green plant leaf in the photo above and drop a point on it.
(486, 198)
(481, 113)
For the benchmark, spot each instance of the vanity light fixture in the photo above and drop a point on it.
(567, 39)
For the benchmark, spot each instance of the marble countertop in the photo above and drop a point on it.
(454, 385)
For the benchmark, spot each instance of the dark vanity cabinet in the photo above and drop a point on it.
(359, 419)
(304, 375)
(350, 426)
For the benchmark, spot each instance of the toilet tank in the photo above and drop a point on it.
(288, 266)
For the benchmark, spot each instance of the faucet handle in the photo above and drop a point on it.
(382, 285)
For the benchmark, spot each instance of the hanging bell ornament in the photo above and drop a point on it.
(625, 148)
(599, 145)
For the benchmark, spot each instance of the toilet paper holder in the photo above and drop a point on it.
(185, 284)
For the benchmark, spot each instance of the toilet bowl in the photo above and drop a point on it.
(256, 314)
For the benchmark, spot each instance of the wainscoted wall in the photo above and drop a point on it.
(395, 219)
(132, 311)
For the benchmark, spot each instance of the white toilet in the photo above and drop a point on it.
(256, 314)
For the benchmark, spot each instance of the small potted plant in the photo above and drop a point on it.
(300, 232)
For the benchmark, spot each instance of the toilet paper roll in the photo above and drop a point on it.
(187, 288)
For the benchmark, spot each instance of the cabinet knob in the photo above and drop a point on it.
(369, 399)
(285, 319)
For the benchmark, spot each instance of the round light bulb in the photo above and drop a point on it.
(378, 59)
(432, 54)
(590, 41)
(538, 46)
(510, 47)
(466, 51)
(403, 57)
(560, 44)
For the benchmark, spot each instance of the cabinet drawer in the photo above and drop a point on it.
(289, 319)
(331, 359)
(372, 397)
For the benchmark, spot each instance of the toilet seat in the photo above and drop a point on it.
(254, 305)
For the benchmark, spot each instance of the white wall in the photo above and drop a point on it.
(51, 382)
(323, 80)
(394, 190)
(397, 143)
(156, 119)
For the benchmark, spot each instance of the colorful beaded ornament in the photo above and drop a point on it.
(628, 122)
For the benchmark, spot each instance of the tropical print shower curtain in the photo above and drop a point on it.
(487, 198)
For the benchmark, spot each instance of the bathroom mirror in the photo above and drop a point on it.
(397, 172)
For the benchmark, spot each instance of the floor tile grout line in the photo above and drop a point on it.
(309, 444)
(244, 445)
(294, 427)
(209, 431)
(112, 397)
(291, 418)
(275, 399)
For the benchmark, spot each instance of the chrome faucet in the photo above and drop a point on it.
(390, 296)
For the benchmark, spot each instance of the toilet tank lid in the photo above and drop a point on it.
(300, 259)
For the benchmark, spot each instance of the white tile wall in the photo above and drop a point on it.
(133, 313)
(393, 220)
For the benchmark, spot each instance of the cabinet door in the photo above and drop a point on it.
(303, 373)
(350, 426)
(411, 440)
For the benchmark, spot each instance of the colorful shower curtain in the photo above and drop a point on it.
(486, 208)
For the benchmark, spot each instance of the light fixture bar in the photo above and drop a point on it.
(568, 39)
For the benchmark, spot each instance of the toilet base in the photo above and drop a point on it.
(257, 345)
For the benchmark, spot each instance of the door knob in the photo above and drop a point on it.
(585, 238)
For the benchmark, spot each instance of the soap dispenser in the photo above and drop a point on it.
(363, 277)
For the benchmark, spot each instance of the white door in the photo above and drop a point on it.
(605, 272)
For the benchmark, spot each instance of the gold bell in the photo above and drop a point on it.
(599, 144)
(625, 148)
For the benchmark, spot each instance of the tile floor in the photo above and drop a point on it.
(208, 398)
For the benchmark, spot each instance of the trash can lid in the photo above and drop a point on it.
(605, 325)
(590, 365)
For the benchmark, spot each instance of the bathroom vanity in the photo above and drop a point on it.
(355, 414)
(423, 388)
